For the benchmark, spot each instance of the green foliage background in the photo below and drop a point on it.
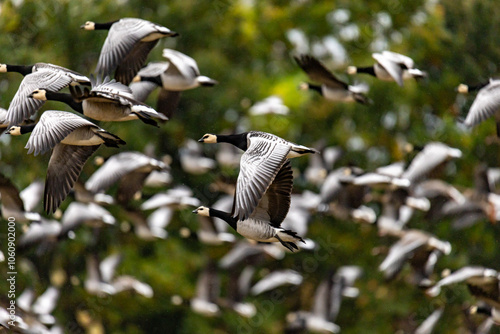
(245, 46)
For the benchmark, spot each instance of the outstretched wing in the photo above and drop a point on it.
(65, 166)
(22, 107)
(276, 200)
(53, 127)
(317, 72)
(259, 166)
(486, 104)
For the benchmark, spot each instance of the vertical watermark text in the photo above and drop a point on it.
(11, 269)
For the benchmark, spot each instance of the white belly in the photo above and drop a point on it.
(152, 37)
(381, 73)
(82, 137)
(337, 94)
(107, 112)
(178, 83)
(256, 230)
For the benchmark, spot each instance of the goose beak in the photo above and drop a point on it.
(82, 26)
(137, 78)
(201, 140)
(195, 211)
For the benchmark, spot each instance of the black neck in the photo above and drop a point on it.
(477, 87)
(66, 98)
(156, 80)
(238, 140)
(315, 88)
(104, 26)
(367, 70)
(23, 69)
(27, 128)
(224, 216)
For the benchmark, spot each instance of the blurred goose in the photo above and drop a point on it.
(343, 199)
(270, 105)
(434, 155)
(492, 317)
(330, 86)
(73, 140)
(12, 204)
(246, 251)
(178, 197)
(465, 89)
(180, 74)
(390, 66)
(43, 232)
(127, 45)
(264, 222)
(129, 168)
(264, 156)
(192, 159)
(276, 279)
(45, 304)
(485, 105)
(420, 249)
(108, 101)
(51, 77)
(77, 214)
(142, 88)
(322, 315)
(427, 326)
(483, 283)
(237, 290)
(207, 292)
(101, 278)
(32, 195)
(476, 205)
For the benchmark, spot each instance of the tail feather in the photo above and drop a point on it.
(110, 139)
(301, 150)
(146, 118)
(206, 81)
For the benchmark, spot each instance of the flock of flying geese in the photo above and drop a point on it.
(263, 207)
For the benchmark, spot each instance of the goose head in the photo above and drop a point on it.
(303, 86)
(39, 94)
(202, 211)
(463, 89)
(14, 130)
(352, 70)
(3, 68)
(89, 25)
(208, 138)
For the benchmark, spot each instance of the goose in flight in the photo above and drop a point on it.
(181, 73)
(264, 224)
(108, 101)
(483, 283)
(264, 156)
(72, 140)
(130, 169)
(127, 45)
(390, 66)
(330, 86)
(485, 105)
(50, 76)
(420, 249)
